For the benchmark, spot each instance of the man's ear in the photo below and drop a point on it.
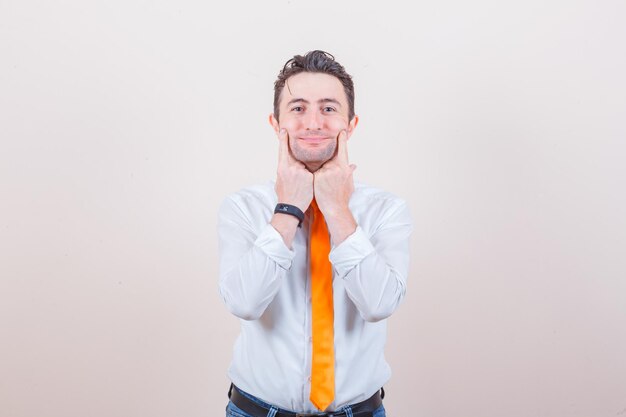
(352, 125)
(274, 122)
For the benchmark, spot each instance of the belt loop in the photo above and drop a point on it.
(273, 411)
(348, 411)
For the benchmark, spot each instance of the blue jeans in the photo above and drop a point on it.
(233, 411)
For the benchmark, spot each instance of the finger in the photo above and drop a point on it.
(283, 146)
(342, 147)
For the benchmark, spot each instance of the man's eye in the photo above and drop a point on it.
(329, 109)
(297, 108)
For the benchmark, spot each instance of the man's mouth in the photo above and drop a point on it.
(313, 139)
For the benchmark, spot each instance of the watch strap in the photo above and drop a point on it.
(291, 210)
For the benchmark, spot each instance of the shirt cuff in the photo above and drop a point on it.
(349, 253)
(273, 245)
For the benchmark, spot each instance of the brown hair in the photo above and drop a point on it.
(314, 61)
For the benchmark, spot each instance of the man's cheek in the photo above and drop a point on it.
(288, 123)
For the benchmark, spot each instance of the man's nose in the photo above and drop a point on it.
(314, 120)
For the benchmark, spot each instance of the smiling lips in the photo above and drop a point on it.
(313, 139)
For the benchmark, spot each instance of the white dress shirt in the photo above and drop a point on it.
(267, 286)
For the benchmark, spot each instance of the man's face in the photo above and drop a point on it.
(313, 109)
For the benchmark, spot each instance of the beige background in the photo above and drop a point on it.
(124, 123)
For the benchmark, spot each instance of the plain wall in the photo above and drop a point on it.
(123, 124)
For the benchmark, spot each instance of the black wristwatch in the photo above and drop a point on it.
(292, 210)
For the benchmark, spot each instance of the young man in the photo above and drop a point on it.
(312, 263)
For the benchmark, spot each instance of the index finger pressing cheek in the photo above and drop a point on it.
(342, 147)
(283, 145)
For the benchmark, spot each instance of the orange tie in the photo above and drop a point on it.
(323, 361)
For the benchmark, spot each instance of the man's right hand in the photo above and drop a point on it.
(294, 183)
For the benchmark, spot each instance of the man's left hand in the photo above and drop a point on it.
(333, 186)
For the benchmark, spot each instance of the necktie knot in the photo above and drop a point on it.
(315, 207)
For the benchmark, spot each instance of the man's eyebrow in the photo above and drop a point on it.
(297, 100)
(322, 100)
(330, 100)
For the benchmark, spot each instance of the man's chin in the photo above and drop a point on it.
(320, 157)
(310, 160)
(314, 161)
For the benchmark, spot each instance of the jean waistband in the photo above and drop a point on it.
(260, 409)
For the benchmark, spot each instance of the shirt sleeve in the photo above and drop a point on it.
(375, 267)
(253, 260)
